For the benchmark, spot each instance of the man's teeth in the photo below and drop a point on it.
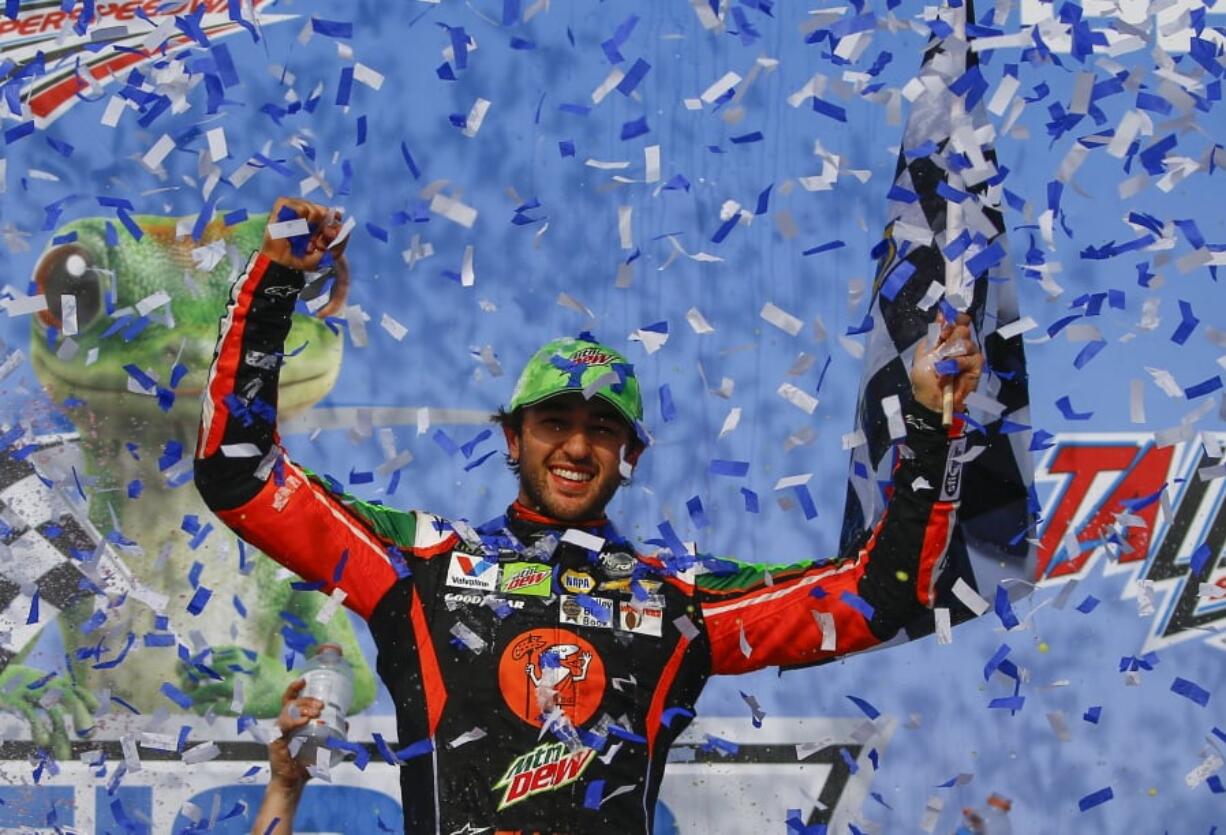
(571, 475)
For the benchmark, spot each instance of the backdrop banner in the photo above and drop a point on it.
(763, 205)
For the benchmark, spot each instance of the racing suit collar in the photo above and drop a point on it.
(523, 513)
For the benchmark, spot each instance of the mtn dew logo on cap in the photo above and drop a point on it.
(580, 365)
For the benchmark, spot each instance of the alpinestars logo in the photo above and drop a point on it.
(1157, 510)
(545, 768)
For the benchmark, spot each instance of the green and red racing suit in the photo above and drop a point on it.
(540, 670)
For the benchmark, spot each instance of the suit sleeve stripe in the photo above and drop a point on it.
(431, 674)
(665, 683)
(229, 354)
(769, 593)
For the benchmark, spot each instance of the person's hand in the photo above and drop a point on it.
(303, 252)
(46, 706)
(953, 358)
(296, 712)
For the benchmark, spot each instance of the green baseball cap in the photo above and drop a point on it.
(580, 365)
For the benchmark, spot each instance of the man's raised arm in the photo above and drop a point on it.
(240, 470)
(804, 612)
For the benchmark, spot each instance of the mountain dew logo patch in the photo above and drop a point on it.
(525, 578)
(545, 768)
(593, 356)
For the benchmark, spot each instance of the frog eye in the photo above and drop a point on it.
(67, 271)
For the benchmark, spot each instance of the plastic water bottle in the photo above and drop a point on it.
(329, 678)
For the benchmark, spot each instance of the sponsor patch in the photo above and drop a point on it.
(584, 610)
(543, 671)
(452, 599)
(617, 564)
(545, 768)
(529, 578)
(467, 571)
(577, 582)
(592, 356)
(642, 617)
(627, 585)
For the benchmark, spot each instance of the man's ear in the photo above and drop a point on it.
(512, 442)
(632, 458)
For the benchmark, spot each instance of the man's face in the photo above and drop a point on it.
(568, 452)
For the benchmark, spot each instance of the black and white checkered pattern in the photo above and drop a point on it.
(995, 514)
(43, 538)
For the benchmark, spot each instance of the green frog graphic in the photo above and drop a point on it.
(165, 292)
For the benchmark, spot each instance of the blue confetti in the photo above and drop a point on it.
(1003, 609)
(734, 469)
(332, 28)
(592, 797)
(176, 695)
(1095, 799)
(858, 603)
(1187, 324)
(1066, 409)
(668, 411)
(751, 500)
(1190, 690)
(1088, 605)
(869, 711)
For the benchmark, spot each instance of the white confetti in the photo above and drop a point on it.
(1136, 401)
(607, 86)
(153, 158)
(468, 276)
(686, 627)
(892, 407)
(825, 624)
(68, 314)
(851, 440)
(246, 450)
(731, 422)
(453, 210)
(697, 321)
(466, 737)
(624, 231)
(781, 319)
(1017, 328)
(201, 753)
(152, 302)
(793, 481)
(719, 88)
(583, 539)
(365, 75)
(288, 228)
(328, 610)
(800, 399)
(476, 116)
(571, 303)
(746, 649)
(651, 163)
(970, 598)
(944, 630)
(217, 144)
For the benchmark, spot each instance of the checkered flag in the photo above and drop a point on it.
(51, 557)
(944, 246)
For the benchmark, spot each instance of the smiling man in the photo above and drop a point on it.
(540, 666)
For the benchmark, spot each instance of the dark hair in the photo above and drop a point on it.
(514, 421)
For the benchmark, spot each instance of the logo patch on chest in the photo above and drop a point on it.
(530, 578)
(584, 610)
(642, 617)
(467, 571)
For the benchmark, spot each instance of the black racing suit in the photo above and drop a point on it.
(541, 671)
